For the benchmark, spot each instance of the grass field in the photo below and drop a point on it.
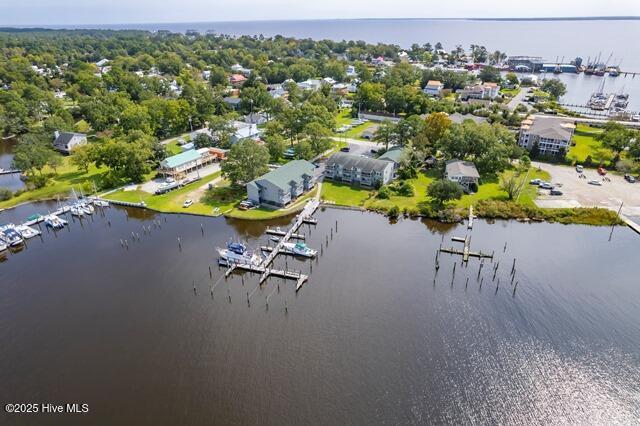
(344, 195)
(173, 148)
(172, 201)
(510, 92)
(344, 117)
(586, 145)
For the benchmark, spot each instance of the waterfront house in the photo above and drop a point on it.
(551, 134)
(433, 88)
(178, 166)
(462, 172)
(355, 169)
(65, 142)
(283, 185)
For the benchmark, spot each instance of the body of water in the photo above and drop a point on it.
(375, 336)
(13, 181)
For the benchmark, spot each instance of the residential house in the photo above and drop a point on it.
(65, 142)
(487, 91)
(378, 61)
(328, 80)
(378, 116)
(551, 134)
(351, 71)
(237, 80)
(239, 69)
(233, 102)
(102, 62)
(394, 155)
(356, 169)
(433, 88)
(244, 131)
(311, 84)
(340, 89)
(462, 172)
(458, 118)
(283, 185)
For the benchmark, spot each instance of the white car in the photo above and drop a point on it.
(187, 203)
(595, 182)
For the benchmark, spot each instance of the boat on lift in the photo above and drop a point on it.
(238, 253)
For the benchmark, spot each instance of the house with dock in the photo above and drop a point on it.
(283, 185)
(550, 134)
(178, 166)
(463, 173)
(355, 169)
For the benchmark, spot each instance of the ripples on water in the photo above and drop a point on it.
(370, 339)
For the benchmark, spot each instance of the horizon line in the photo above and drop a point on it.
(533, 18)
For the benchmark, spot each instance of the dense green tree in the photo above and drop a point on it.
(554, 87)
(489, 74)
(443, 190)
(246, 161)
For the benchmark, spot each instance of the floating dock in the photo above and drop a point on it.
(280, 233)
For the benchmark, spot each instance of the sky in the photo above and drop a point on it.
(85, 12)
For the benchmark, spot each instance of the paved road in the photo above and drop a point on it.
(577, 192)
(518, 99)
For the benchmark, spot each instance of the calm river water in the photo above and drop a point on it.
(371, 338)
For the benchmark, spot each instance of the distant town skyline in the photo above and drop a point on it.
(101, 12)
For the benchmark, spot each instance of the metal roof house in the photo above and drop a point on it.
(66, 141)
(462, 172)
(283, 185)
(359, 170)
(393, 154)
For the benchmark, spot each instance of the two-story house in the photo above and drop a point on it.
(283, 185)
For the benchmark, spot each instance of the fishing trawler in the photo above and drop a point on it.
(237, 253)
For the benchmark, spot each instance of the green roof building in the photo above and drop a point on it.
(283, 185)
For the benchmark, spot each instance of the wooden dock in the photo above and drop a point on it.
(263, 268)
(631, 224)
(280, 233)
(9, 172)
(471, 217)
(466, 250)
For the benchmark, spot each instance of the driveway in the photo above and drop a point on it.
(359, 147)
(518, 99)
(577, 192)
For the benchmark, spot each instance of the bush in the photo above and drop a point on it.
(405, 189)
(393, 212)
(5, 194)
(37, 181)
(384, 193)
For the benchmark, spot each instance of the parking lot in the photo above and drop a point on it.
(578, 192)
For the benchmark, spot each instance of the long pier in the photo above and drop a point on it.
(9, 172)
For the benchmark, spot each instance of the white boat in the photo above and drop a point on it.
(3, 246)
(237, 253)
(27, 232)
(76, 210)
(101, 203)
(87, 208)
(53, 221)
(299, 249)
(10, 236)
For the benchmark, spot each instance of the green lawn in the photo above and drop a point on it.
(510, 92)
(419, 184)
(173, 148)
(344, 194)
(586, 145)
(172, 201)
(68, 177)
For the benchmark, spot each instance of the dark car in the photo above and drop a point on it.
(555, 192)
(345, 149)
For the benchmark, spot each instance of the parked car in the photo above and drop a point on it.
(374, 151)
(187, 203)
(555, 191)
(535, 182)
(545, 185)
(169, 180)
(246, 205)
(345, 149)
(629, 178)
(579, 168)
(595, 182)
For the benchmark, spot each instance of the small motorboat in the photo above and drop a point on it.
(10, 236)
(3, 246)
(299, 249)
(101, 203)
(27, 232)
(275, 239)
